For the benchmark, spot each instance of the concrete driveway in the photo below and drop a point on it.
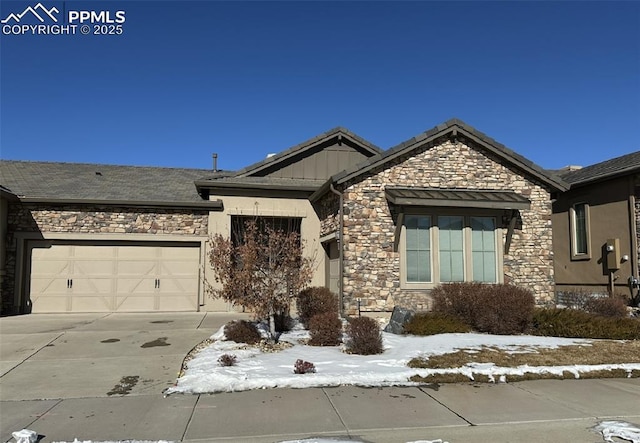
(97, 355)
(101, 377)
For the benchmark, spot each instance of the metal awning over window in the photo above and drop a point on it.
(457, 198)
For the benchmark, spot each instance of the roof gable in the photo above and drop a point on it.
(456, 129)
(315, 159)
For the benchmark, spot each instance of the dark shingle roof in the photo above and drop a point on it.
(50, 181)
(618, 166)
(451, 127)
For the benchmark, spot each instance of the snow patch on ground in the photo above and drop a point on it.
(118, 441)
(339, 440)
(256, 369)
(620, 429)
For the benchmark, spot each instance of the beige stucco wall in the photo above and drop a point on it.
(220, 223)
(611, 215)
(372, 266)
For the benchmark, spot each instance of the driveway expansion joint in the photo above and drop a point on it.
(446, 407)
(193, 411)
(33, 354)
(333, 406)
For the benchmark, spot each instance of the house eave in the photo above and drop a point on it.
(604, 177)
(213, 185)
(455, 129)
(208, 205)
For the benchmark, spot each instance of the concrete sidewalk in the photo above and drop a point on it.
(100, 377)
(541, 411)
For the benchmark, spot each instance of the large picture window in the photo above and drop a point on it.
(449, 248)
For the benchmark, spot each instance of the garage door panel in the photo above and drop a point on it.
(52, 252)
(93, 268)
(183, 303)
(137, 252)
(135, 285)
(126, 278)
(92, 252)
(177, 286)
(92, 303)
(53, 268)
(48, 285)
(136, 303)
(50, 303)
(182, 253)
(169, 269)
(92, 285)
(136, 267)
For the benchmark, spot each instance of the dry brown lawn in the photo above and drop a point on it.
(599, 352)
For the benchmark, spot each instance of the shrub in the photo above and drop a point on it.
(227, 360)
(432, 323)
(284, 322)
(364, 336)
(575, 323)
(325, 329)
(242, 331)
(313, 301)
(303, 367)
(492, 308)
(613, 306)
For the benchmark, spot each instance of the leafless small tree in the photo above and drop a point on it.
(262, 271)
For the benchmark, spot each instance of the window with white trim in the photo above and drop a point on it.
(444, 248)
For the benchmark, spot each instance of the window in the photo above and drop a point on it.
(449, 248)
(483, 248)
(418, 248)
(285, 224)
(580, 231)
(239, 224)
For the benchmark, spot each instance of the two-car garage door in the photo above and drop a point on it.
(105, 277)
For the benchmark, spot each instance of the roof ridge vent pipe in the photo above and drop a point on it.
(215, 161)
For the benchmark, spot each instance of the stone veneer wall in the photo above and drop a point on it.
(328, 210)
(372, 268)
(93, 219)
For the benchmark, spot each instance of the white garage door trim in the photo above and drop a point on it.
(114, 277)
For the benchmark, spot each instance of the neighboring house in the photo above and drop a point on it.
(384, 228)
(601, 208)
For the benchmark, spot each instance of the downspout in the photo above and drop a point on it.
(633, 231)
(340, 248)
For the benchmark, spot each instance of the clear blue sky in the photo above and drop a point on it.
(558, 82)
